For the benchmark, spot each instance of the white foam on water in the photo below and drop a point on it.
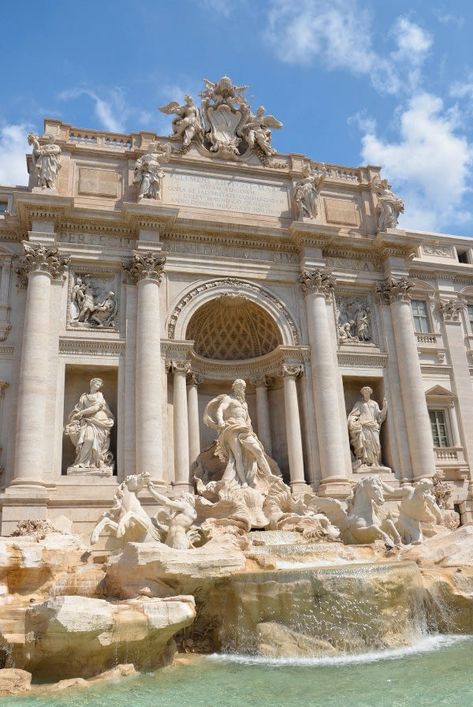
(424, 645)
(314, 564)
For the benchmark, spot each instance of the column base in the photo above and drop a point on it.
(31, 483)
(298, 487)
(336, 487)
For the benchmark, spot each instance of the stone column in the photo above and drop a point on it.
(146, 269)
(289, 375)
(262, 414)
(318, 287)
(193, 412)
(180, 370)
(451, 312)
(38, 267)
(396, 293)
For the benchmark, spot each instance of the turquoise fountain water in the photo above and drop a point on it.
(435, 671)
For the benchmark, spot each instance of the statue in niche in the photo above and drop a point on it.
(88, 428)
(237, 443)
(307, 192)
(46, 162)
(148, 172)
(389, 206)
(353, 320)
(256, 130)
(364, 424)
(186, 124)
(91, 306)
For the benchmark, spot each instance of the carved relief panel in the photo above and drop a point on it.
(356, 323)
(93, 301)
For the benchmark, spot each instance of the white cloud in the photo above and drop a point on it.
(13, 148)
(430, 164)
(110, 112)
(338, 34)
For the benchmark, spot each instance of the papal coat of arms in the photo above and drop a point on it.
(224, 124)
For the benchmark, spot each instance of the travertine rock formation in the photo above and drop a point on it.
(70, 636)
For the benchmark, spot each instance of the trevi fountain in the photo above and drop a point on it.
(236, 426)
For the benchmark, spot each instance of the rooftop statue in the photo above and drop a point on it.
(307, 191)
(187, 124)
(389, 206)
(46, 162)
(148, 172)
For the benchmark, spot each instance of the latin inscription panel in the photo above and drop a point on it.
(226, 194)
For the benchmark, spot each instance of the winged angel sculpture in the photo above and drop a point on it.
(224, 124)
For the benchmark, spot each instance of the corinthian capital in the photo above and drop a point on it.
(318, 281)
(450, 309)
(149, 266)
(184, 367)
(39, 258)
(395, 288)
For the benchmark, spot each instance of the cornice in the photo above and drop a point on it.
(90, 347)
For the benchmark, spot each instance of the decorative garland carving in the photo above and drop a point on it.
(233, 285)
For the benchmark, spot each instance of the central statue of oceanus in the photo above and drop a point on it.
(237, 443)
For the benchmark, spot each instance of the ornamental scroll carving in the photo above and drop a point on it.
(39, 258)
(317, 281)
(393, 289)
(146, 266)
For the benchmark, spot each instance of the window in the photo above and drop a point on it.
(3, 207)
(421, 318)
(439, 428)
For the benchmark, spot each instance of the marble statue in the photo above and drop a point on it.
(88, 428)
(306, 193)
(187, 124)
(237, 442)
(127, 518)
(176, 518)
(256, 131)
(418, 505)
(104, 312)
(361, 519)
(224, 125)
(389, 206)
(353, 320)
(91, 308)
(148, 172)
(364, 424)
(46, 162)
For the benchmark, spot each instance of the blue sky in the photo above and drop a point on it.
(353, 81)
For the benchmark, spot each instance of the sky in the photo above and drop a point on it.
(353, 81)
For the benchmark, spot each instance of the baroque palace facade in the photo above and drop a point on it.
(140, 276)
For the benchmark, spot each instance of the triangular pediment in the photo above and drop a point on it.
(439, 391)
